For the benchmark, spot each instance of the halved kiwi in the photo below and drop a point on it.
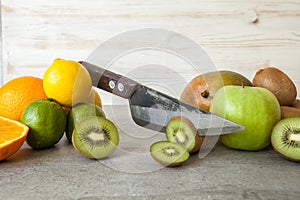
(168, 153)
(182, 131)
(78, 112)
(285, 138)
(95, 137)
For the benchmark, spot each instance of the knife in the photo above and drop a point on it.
(152, 109)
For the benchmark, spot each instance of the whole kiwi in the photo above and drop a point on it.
(287, 111)
(278, 83)
(296, 103)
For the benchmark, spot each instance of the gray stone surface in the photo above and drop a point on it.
(61, 173)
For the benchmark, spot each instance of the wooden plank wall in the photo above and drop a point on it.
(238, 35)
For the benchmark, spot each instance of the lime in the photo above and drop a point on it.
(78, 112)
(46, 120)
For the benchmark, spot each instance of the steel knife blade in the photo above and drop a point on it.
(152, 109)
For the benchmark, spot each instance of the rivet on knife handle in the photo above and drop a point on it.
(110, 81)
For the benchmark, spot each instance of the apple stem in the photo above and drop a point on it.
(243, 84)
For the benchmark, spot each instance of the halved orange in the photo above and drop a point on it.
(12, 136)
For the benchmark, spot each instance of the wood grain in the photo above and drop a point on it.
(242, 36)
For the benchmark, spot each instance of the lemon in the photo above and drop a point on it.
(66, 81)
(46, 120)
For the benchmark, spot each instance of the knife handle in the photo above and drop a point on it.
(110, 81)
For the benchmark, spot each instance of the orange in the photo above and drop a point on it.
(16, 94)
(12, 136)
(94, 98)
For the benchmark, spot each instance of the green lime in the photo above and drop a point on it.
(79, 112)
(46, 120)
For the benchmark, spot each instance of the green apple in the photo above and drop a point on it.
(254, 108)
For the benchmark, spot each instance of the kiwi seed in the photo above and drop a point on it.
(182, 131)
(169, 154)
(95, 137)
(278, 83)
(287, 111)
(285, 138)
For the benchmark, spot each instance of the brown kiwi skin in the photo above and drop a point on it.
(296, 104)
(287, 111)
(198, 139)
(278, 83)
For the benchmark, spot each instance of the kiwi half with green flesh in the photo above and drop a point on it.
(285, 138)
(169, 154)
(78, 112)
(287, 111)
(95, 137)
(182, 131)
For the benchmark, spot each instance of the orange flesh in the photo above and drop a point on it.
(12, 136)
(9, 132)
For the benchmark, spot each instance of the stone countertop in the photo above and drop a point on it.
(131, 173)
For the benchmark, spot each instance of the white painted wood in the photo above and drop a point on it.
(238, 35)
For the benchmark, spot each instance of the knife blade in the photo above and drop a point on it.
(152, 109)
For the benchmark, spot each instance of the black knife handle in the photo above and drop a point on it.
(110, 81)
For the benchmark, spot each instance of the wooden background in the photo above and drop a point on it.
(238, 35)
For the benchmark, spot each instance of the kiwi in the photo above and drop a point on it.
(296, 103)
(285, 138)
(95, 137)
(278, 83)
(168, 153)
(287, 111)
(181, 130)
(78, 112)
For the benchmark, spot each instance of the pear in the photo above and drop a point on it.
(201, 90)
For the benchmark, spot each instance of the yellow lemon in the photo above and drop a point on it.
(66, 81)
